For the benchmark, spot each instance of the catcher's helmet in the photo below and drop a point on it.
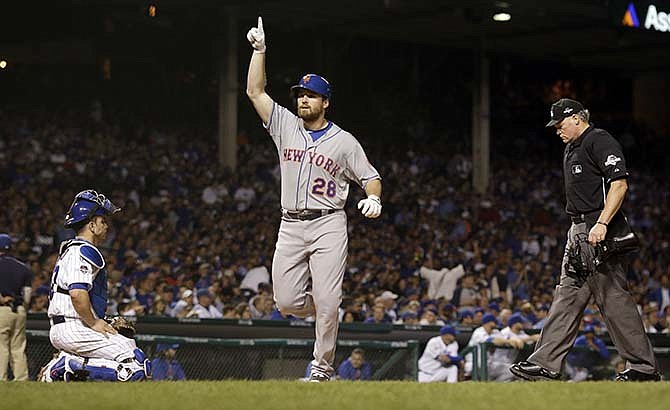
(314, 83)
(87, 204)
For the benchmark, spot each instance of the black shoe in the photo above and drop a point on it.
(318, 378)
(532, 372)
(631, 375)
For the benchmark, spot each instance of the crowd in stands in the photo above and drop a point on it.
(196, 240)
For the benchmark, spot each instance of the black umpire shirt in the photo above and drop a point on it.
(14, 276)
(590, 164)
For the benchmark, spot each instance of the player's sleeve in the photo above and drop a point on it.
(433, 348)
(81, 266)
(452, 348)
(608, 156)
(359, 168)
(280, 121)
(478, 336)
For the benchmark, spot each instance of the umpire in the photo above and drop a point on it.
(15, 287)
(595, 175)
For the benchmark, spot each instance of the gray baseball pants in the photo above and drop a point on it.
(316, 249)
(610, 290)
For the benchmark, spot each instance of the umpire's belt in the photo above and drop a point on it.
(307, 214)
(577, 219)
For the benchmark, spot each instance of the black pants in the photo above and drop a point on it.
(610, 290)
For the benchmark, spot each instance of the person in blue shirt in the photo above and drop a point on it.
(590, 353)
(165, 366)
(355, 367)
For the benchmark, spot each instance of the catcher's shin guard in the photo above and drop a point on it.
(143, 361)
(54, 370)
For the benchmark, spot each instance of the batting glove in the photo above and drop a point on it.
(256, 37)
(371, 206)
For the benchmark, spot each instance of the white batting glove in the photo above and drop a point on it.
(371, 206)
(256, 37)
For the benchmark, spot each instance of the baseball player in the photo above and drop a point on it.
(318, 161)
(91, 349)
(440, 361)
(502, 358)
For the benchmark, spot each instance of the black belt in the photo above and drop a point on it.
(57, 320)
(308, 214)
(577, 219)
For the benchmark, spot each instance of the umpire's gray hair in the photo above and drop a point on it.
(584, 115)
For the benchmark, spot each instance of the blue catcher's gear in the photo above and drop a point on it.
(87, 204)
(72, 368)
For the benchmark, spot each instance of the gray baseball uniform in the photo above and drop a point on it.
(312, 240)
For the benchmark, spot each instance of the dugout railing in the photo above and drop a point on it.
(254, 359)
(290, 340)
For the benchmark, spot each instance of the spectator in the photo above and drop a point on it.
(355, 367)
(378, 315)
(205, 309)
(388, 299)
(430, 318)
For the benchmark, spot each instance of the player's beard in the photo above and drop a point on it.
(310, 115)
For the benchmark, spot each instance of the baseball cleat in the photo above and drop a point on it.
(631, 375)
(532, 372)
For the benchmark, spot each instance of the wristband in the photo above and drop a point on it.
(602, 223)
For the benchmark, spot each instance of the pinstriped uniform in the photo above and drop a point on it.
(315, 175)
(76, 268)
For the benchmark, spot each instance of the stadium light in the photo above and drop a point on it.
(3, 64)
(502, 17)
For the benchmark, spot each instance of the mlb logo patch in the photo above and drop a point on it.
(576, 169)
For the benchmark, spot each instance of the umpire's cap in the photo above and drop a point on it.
(562, 109)
(5, 242)
(312, 82)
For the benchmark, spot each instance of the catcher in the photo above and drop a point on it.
(90, 348)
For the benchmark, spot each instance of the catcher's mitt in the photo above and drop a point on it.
(122, 325)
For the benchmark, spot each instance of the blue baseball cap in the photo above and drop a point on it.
(467, 313)
(448, 330)
(589, 329)
(5, 241)
(408, 315)
(489, 318)
(516, 318)
(165, 346)
(494, 306)
(313, 82)
(204, 292)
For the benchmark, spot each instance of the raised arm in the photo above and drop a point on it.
(256, 75)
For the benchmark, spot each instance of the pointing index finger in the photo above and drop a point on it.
(260, 23)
